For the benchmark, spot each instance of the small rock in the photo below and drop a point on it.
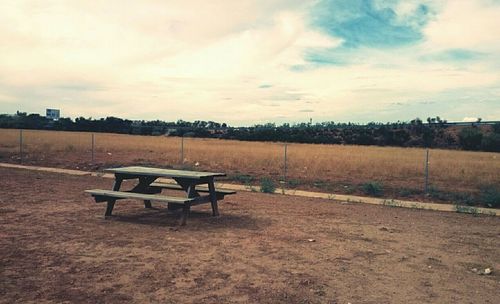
(109, 153)
(487, 271)
(384, 229)
(311, 240)
(474, 269)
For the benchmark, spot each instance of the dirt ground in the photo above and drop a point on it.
(55, 246)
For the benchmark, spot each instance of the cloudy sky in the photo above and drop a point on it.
(246, 62)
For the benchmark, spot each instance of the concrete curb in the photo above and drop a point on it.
(329, 196)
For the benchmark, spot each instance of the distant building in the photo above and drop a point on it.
(53, 114)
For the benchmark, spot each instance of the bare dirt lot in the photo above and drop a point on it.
(55, 246)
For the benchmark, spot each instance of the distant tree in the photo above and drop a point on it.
(491, 142)
(470, 138)
(428, 136)
(496, 128)
(65, 124)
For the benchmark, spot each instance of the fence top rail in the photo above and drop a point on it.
(148, 171)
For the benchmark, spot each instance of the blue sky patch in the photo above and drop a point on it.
(331, 56)
(362, 25)
(454, 55)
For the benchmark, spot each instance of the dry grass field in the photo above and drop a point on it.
(331, 167)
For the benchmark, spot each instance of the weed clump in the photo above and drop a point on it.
(460, 198)
(466, 209)
(373, 188)
(293, 183)
(406, 192)
(267, 185)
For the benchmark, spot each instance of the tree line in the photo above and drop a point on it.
(435, 132)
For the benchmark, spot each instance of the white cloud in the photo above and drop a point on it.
(469, 119)
(466, 24)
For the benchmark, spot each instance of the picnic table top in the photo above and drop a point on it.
(148, 171)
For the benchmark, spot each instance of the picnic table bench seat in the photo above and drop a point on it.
(203, 189)
(110, 196)
(103, 195)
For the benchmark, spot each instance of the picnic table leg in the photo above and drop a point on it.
(142, 187)
(213, 198)
(185, 213)
(172, 207)
(111, 202)
(109, 207)
(191, 192)
(145, 183)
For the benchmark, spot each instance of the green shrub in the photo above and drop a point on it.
(463, 198)
(470, 138)
(373, 188)
(409, 192)
(491, 142)
(436, 193)
(323, 185)
(350, 189)
(267, 185)
(455, 197)
(293, 183)
(496, 128)
(490, 195)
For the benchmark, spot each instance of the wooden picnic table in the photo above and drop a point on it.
(193, 183)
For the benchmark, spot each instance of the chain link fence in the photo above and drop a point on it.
(375, 171)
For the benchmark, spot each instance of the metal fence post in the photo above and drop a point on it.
(182, 149)
(285, 167)
(21, 146)
(426, 189)
(283, 183)
(93, 145)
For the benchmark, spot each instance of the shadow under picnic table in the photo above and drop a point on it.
(162, 217)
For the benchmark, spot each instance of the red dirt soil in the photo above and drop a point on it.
(55, 246)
